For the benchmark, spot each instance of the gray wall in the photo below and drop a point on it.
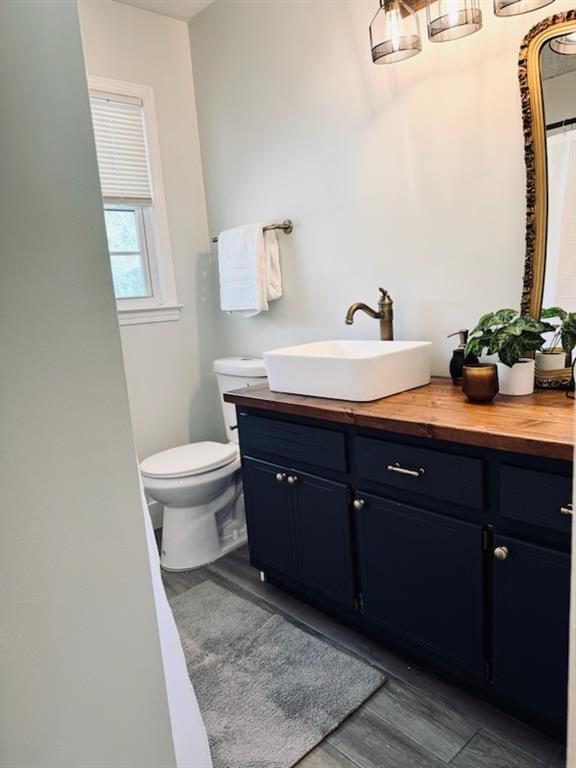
(172, 391)
(408, 176)
(82, 677)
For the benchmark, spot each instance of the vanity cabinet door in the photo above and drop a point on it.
(531, 608)
(421, 579)
(324, 538)
(269, 517)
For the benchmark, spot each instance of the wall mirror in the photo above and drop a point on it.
(547, 72)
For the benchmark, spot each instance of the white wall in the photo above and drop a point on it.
(83, 679)
(408, 176)
(172, 393)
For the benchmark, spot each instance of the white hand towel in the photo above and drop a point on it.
(249, 265)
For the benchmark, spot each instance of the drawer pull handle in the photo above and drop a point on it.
(292, 479)
(401, 471)
(567, 510)
(280, 477)
(358, 504)
(501, 553)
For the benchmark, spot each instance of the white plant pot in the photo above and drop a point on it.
(550, 361)
(518, 380)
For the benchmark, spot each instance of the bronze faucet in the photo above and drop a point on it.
(384, 314)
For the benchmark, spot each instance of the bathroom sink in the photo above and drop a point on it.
(349, 370)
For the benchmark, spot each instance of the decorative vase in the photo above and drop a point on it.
(517, 380)
(554, 360)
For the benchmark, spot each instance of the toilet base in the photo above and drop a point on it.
(190, 535)
(236, 544)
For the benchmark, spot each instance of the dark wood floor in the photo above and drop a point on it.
(416, 720)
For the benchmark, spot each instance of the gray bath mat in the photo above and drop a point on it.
(268, 691)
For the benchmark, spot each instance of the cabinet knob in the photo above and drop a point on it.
(292, 479)
(501, 553)
(358, 504)
(280, 476)
(567, 510)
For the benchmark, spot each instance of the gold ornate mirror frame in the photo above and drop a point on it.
(534, 124)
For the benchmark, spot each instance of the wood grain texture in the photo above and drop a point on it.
(439, 729)
(540, 424)
(368, 742)
(325, 756)
(484, 751)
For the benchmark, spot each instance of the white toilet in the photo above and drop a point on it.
(200, 484)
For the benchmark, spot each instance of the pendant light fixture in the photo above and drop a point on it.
(516, 7)
(394, 32)
(565, 44)
(451, 19)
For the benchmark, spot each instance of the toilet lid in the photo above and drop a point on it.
(244, 367)
(187, 460)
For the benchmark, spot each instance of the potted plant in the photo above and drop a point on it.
(557, 351)
(511, 336)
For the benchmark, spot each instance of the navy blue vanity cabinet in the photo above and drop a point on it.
(324, 538)
(421, 576)
(456, 553)
(531, 592)
(269, 517)
(299, 526)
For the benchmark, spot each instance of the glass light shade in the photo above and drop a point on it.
(516, 7)
(394, 33)
(451, 19)
(565, 44)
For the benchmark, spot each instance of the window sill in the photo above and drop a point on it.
(139, 316)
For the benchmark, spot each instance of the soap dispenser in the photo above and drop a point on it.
(458, 360)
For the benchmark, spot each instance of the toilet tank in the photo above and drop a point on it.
(236, 373)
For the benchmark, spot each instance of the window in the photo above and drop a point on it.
(128, 252)
(134, 209)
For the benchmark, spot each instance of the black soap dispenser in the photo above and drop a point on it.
(458, 360)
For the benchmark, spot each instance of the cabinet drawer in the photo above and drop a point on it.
(457, 479)
(535, 497)
(298, 443)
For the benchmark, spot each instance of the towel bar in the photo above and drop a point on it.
(286, 227)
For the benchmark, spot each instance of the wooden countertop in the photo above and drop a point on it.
(541, 424)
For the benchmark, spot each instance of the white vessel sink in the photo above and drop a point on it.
(349, 370)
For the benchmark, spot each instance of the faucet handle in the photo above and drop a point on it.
(385, 298)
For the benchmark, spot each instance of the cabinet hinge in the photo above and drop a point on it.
(359, 603)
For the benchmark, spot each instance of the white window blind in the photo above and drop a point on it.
(120, 136)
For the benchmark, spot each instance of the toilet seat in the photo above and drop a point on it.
(189, 460)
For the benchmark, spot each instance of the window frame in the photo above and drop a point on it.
(163, 305)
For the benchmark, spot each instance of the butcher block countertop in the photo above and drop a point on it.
(541, 424)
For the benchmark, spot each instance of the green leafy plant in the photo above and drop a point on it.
(564, 331)
(508, 334)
